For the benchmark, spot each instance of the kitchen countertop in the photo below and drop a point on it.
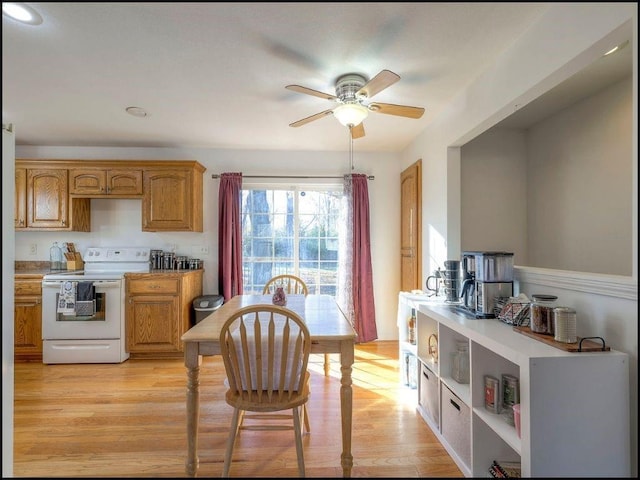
(26, 269)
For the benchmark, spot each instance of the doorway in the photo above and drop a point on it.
(411, 228)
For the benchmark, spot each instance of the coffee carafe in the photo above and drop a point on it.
(468, 286)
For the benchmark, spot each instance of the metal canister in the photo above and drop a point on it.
(565, 325)
(156, 259)
(180, 262)
(492, 399)
(168, 260)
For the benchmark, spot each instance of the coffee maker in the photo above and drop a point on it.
(486, 275)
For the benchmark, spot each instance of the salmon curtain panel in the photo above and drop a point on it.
(229, 236)
(355, 276)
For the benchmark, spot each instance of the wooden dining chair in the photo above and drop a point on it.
(290, 283)
(265, 349)
(293, 285)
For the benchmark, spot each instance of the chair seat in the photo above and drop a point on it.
(250, 403)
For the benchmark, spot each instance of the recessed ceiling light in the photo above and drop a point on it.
(136, 111)
(617, 47)
(21, 13)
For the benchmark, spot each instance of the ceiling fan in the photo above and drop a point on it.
(353, 92)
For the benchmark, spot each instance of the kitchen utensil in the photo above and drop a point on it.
(435, 286)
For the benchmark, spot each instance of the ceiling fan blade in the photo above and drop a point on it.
(399, 110)
(357, 131)
(382, 80)
(310, 91)
(306, 120)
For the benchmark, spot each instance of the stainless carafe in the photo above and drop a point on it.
(468, 287)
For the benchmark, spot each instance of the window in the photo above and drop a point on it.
(290, 230)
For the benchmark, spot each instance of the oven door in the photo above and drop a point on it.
(102, 321)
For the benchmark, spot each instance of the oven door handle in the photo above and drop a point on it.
(96, 283)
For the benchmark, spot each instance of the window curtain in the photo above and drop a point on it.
(229, 236)
(355, 292)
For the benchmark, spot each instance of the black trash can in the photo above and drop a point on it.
(205, 304)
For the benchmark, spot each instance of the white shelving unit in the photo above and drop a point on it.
(574, 406)
(407, 301)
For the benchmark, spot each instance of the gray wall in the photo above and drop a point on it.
(558, 194)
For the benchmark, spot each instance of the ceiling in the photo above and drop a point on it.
(213, 75)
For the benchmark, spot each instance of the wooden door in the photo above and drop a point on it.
(411, 228)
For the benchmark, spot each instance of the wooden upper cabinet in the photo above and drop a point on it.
(48, 203)
(97, 182)
(56, 194)
(172, 199)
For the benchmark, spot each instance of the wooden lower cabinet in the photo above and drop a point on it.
(27, 336)
(159, 310)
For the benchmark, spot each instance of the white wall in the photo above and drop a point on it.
(8, 202)
(567, 38)
(118, 222)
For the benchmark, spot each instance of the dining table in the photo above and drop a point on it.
(330, 330)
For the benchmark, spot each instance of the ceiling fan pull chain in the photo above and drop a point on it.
(350, 147)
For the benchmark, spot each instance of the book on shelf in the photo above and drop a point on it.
(506, 469)
(495, 473)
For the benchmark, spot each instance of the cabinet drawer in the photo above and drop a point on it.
(429, 398)
(456, 425)
(28, 287)
(161, 285)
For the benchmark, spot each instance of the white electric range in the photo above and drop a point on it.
(83, 312)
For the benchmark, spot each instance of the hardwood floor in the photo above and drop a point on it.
(128, 420)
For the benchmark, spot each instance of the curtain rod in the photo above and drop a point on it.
(216, 175)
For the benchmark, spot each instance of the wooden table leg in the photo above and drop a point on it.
(192, 361)
(346, 404)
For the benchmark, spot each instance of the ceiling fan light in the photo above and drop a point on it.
(350, 114)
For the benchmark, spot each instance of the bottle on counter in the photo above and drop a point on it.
(55, 257)
(412, 327)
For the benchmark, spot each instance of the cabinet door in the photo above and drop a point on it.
(20, 215)
(88, 181)
(153, 324)
(167, 203)
(124, 182)
(27, 337)
(47, 199)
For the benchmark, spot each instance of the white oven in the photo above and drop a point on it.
(83, 313)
